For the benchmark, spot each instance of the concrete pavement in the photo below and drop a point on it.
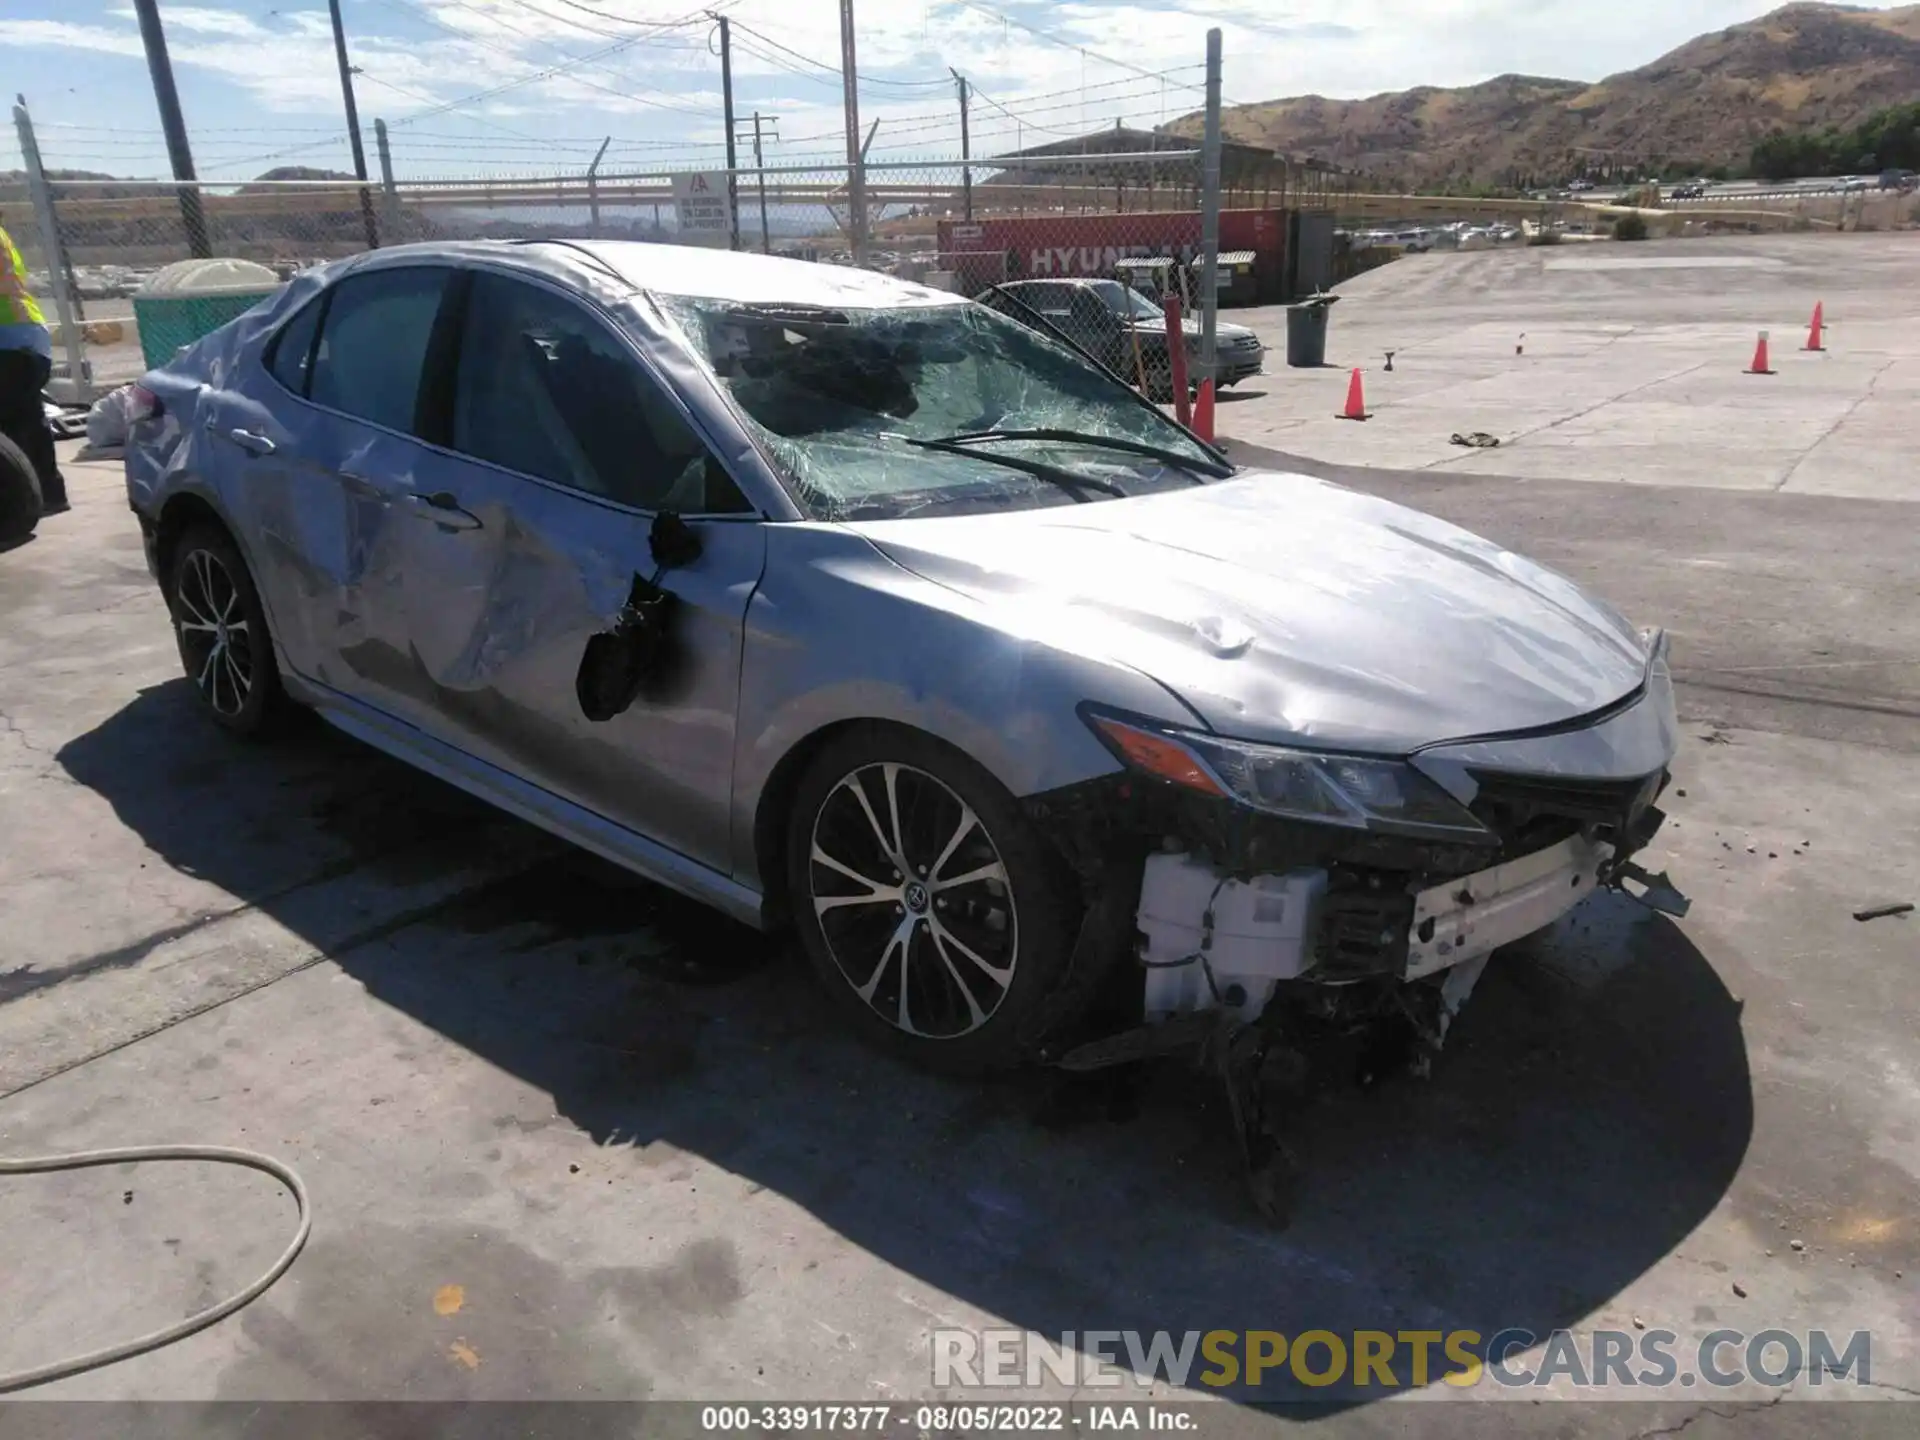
(570, 1138)
(1630, 365)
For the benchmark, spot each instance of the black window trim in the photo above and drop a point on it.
(438, 380)
(325, 299)
(753, 515)
(269, 357)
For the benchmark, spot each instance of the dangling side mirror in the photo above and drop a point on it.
(639, 654)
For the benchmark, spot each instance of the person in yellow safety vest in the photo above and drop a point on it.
(26, 360)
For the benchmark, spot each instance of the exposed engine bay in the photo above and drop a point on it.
(1262, 948)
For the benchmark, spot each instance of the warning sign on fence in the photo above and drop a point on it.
(700, 207)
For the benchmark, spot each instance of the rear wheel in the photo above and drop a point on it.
(20, 500)
(221, 629)
(938, 919)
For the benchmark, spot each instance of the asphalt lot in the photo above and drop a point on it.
(632, 1138)
(1631, 365)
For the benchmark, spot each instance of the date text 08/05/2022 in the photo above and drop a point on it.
(945, 1418)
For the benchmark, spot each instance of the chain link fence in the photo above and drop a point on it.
(1098, 238)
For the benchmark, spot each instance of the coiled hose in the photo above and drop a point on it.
(214, 1154)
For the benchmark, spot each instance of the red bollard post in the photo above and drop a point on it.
(1177, 359)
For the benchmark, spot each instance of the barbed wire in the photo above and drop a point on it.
(912, 134)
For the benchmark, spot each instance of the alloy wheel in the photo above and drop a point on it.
(913, 900)
(214, 636)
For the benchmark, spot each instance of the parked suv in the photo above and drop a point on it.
(1107, 319)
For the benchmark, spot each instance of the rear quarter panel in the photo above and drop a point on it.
(212, 387)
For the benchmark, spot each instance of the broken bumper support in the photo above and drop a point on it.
(1475, 915)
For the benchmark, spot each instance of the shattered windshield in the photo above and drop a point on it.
(862, 409)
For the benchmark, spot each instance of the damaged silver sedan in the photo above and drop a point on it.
(838, 602)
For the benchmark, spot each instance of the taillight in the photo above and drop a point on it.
(143, 404)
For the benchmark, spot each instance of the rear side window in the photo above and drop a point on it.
(374, 344)
(293, 347)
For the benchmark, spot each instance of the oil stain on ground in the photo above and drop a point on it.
(373, 1317)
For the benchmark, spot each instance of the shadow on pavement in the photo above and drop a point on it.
(1594, 1105)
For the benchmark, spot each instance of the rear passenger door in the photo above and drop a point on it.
(561, 448)
(332, 475)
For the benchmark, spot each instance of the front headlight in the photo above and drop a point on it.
(1360, 792)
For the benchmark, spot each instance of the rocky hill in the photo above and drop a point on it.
(1703, 105)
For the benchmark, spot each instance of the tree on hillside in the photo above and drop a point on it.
(1885, 139)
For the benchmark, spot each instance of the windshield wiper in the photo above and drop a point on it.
(1054, 474)
(1088, 437)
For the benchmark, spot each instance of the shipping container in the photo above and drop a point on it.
(985, 252)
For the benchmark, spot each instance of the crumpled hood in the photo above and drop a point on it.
(1280, 607)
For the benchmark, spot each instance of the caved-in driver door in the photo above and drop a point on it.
(564, 450)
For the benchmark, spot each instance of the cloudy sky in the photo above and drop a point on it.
(474, 87)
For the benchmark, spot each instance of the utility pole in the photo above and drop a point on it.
(389, 194)
(593, 188)
(966, 147)
(167, 99)
(1210, 209)
(760, 166)
(353, 126)
(726, 107)
(856, 152)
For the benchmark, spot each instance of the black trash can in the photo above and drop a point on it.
(1307, 332)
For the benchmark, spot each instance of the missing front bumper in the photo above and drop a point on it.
(1212, 941)
(1475, 915)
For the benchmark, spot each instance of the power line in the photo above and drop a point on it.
(478, 119)
(834, 70)
(1021, 120)
(626, 20)
(573, 61)
(1066, 44)
(894, 125)
(215, 130)
(443, 107)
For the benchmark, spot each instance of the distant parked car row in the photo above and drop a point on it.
(1446, 237)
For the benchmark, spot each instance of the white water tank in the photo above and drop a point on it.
(1213, 942)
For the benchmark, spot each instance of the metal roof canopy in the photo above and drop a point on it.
(1147, 262)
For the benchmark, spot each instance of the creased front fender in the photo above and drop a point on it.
(837, 632)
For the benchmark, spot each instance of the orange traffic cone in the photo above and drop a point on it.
(1356, 399)
(1760, 366)
(1203, 411)
(1813, 331)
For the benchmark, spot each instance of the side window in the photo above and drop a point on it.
(1051, 300)
(293, 346)
(546, 389)
(1089, 311)
(374, 344)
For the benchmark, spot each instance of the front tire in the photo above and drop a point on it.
(937, 918)
(221, 629)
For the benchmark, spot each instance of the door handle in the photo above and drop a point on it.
(443, 508)
(248, 441)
